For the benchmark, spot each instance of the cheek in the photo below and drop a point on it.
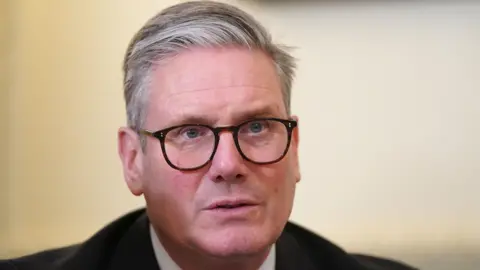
(170, 192)
(163, 182)
(279, 180)
(283, 185)
(170, 198)
(170, 186)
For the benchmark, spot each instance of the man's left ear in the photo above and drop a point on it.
(295, 146)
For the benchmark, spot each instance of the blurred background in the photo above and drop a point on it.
(387, 93)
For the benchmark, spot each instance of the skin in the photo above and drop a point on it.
(222, 86)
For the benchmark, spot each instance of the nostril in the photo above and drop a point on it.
(221, 178)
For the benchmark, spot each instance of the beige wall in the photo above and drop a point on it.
(387, 97)
(4, 120)
(67, 105)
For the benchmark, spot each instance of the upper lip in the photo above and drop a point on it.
(235, 202)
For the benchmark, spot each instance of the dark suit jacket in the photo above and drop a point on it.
(125, 245)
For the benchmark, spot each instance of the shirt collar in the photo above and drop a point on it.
(165, 262)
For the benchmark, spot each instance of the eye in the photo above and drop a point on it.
(256, 126)
(191, 132)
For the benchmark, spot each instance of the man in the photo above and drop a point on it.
(212, 146)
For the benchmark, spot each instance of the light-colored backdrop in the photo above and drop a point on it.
(4, 120)
(387, 96)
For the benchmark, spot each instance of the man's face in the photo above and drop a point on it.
(225, 87)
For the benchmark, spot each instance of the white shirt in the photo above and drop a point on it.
(166, 262)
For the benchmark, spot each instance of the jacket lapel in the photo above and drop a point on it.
(301, 249)
(135, 250)
(289, 255)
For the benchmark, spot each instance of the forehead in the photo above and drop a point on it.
(215, 83)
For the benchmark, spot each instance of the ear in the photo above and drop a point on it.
(131, 155)
(295, 145)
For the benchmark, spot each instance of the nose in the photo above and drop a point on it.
(227, 164)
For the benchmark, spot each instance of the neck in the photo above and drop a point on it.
(188, 259)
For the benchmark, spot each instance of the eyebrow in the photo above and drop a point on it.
(264, 111)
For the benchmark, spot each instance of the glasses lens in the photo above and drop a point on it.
(189, 146)
(263, 141)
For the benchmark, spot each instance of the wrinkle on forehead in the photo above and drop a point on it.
(233, 80)
(234, 93)
(216, 67)
(221, 105)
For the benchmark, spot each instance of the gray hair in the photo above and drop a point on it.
(194, 24)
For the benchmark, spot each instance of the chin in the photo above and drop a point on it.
(236, 240)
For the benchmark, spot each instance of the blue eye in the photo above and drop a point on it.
(192, 133)
(256, 127)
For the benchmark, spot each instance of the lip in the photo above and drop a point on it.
(234, 202)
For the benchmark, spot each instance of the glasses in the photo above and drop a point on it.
(192, 146)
